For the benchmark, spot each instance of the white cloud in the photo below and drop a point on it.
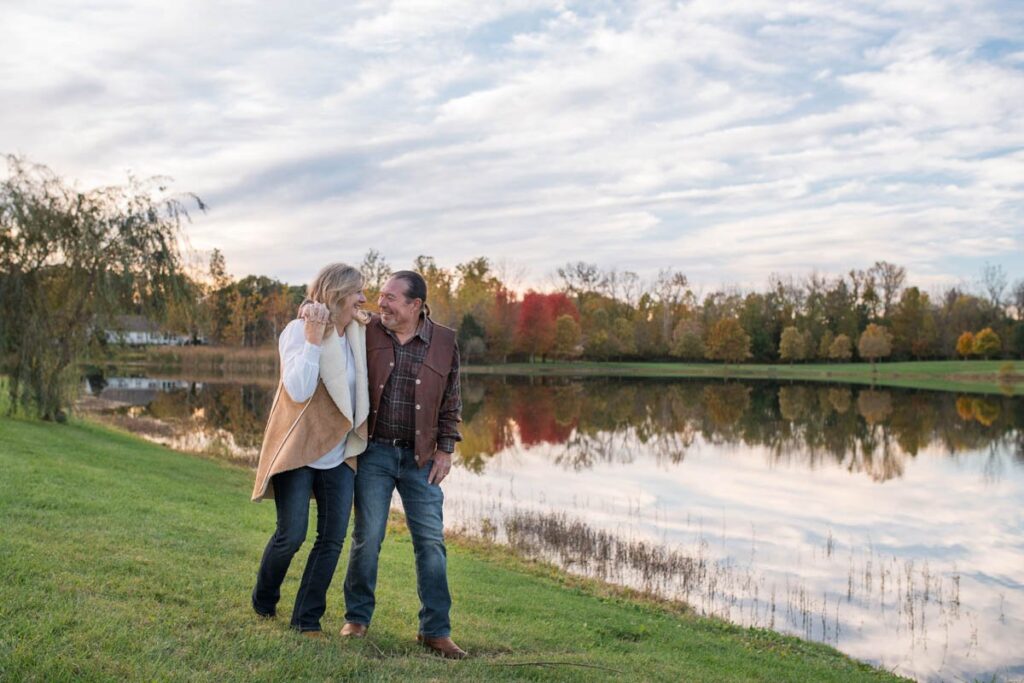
(729, 140)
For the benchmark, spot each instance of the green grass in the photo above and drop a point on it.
(975, 376)
(123, 560)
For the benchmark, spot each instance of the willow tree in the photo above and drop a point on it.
(70, 261)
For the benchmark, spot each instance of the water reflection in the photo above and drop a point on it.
(210, 417)
(602, 421)
(885, 522)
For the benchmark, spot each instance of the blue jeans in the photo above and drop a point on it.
(333, 492)
(382, 469)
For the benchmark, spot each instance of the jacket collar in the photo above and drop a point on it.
(334, 371)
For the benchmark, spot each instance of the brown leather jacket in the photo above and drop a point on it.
(430, 382)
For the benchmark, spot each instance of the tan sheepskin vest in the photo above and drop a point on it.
(298, 434)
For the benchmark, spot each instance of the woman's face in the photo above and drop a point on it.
(347, 308)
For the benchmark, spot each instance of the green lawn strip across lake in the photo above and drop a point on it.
(124, 560)
(976, 376)
(967, 376)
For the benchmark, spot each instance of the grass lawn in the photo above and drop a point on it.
(974, 376)
(123, 560)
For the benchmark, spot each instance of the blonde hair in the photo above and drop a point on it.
(333, 283)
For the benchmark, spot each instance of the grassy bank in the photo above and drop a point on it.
(976, 376)
(122, 560)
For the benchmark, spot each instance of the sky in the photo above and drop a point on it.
(726, 140)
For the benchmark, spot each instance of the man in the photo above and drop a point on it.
(415, 408)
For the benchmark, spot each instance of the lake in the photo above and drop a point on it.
(887, 523)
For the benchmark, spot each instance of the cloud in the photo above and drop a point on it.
(728, 142)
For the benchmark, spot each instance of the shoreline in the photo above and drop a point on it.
(953, 376)
(970, 376)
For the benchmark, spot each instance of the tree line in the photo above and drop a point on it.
(595, 314)
(72, 261)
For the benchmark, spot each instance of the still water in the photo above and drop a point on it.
(887, 523)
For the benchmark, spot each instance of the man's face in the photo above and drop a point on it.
(396, 311)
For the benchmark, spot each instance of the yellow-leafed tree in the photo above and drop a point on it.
(875, 342)
(728, 342)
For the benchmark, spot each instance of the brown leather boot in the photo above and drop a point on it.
(353, 630)
(443, 646)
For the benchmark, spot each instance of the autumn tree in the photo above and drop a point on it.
(535, 330)
(538, 312)
(913, 324)
(987, 343)
(608, 330)
(688, 340)
(959, 312)
(440, 284)
(476, 287)
(71, 260)
(965, 344)
(875, 342)
(279, 308)
(567, 337)
(841, 348)
(792, 345)
(728, 342)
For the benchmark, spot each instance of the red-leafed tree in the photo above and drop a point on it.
(535, 331)
(559, 304)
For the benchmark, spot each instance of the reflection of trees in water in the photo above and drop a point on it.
(869, 431)
(240, 409)
(865, 430)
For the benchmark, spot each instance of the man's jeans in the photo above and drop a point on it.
(333, 492)
(383, 468)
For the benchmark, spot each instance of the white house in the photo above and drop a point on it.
(136, 330)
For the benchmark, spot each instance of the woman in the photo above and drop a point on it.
(317, 427)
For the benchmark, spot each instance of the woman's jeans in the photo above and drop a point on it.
(333, 492)
(382, 469)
